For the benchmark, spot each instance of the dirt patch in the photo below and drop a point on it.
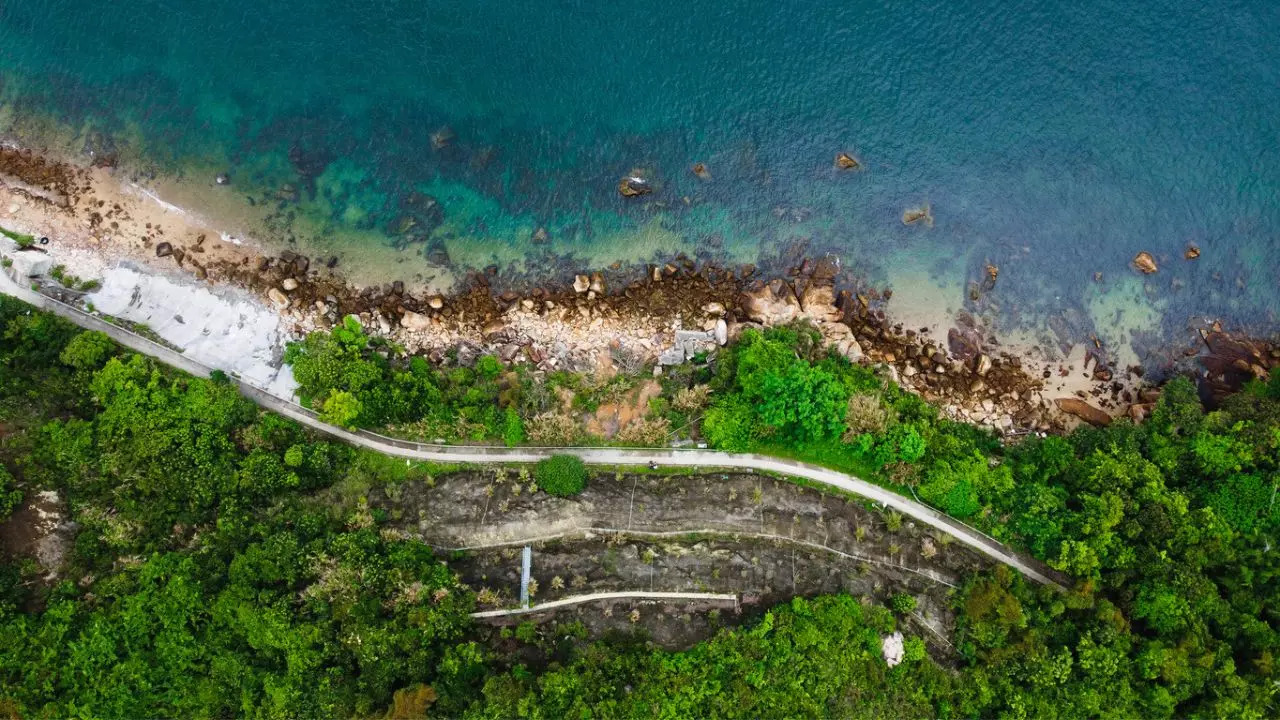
(39, 529)
(609, 418)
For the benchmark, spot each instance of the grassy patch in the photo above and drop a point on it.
(23, 240)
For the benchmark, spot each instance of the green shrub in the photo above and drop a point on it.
(23, 240)
(87, 351)
(512, 428)
(561, 475)
(902, 603)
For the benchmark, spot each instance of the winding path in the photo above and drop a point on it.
(971, 537)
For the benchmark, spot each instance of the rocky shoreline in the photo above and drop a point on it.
(622, 318)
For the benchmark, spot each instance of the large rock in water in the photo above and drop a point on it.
(634, 185)
(1083, 410)
(1145, 263)
(964, 344)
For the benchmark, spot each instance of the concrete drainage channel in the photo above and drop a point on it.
(716, 599)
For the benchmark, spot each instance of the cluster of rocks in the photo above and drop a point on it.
(965, 376)
(669, 314)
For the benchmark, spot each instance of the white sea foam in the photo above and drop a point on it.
(170, 207)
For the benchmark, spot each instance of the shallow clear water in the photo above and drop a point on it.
(1054, 139)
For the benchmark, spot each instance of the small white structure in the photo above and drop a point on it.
(893, 649)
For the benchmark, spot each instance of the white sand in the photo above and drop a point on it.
(228, 329)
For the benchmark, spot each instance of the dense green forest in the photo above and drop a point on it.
(208, 578)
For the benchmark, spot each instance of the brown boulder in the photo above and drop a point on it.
(278, 298)
(924, 214)
(1145, 263)
(845, 161)
(414, 321)
(1084, 411)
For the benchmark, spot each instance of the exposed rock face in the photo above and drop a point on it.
(1145, 263)
(768, 307)
(289, 284)
(581, 283)
(893, 648)
(819, 302)
(1083, 410)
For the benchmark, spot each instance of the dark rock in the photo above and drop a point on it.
(633, 186)
(164, 249)
(964, 344)
(442, 138)
(332, 262)
(264, 262)
(826, 268)
(397, 287)
(437, 254)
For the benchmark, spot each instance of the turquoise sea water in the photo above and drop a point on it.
(1054, 139)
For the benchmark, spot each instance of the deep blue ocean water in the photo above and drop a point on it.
(1053, 139)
